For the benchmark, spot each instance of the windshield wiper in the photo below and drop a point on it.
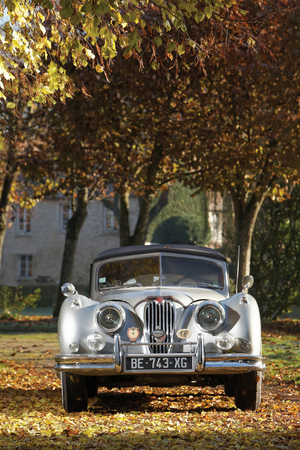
(132, 282)
(206, 285)
(108, 285)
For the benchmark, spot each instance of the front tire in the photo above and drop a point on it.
(74, 393)
(92, 387)
(229, 388)
(248, 391)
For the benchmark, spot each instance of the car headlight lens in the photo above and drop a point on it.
(225, 341)
(95, 342)
(210, 316)
(111, 317)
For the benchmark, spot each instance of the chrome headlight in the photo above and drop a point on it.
(210, 315)
(111, 317)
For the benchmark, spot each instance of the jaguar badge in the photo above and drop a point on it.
(159, 335)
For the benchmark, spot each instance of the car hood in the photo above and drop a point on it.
(183, 295)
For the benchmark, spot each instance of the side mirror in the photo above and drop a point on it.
(248, 281)
(68, 289)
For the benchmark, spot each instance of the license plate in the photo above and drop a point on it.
(158, 363)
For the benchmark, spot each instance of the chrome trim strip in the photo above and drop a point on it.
(125, 344)
(200, 354)
(233, 357)
(160, 271)
(87, 369)
(209, 357)
(211, 368)
(72, 359)
(84, 359)
(229, 367)
(118, 353)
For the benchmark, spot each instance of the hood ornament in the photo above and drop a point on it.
(159, 335)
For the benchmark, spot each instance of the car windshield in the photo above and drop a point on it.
(191, 272)
(128, 272)
(175, 271)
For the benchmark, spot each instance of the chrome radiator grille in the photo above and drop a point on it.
(159, 316)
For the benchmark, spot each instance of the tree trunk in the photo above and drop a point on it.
(146, 215)
(7, 184)
(144, 218)
(245, 219)
(125, 238)
(140, 231)
(162, 202)
(139, 235)
(73, 230)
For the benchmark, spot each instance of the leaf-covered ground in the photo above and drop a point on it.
(31, 415)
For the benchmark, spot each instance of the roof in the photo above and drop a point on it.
(159, 248)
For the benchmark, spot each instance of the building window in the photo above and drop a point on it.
(110, 220)
(65, 216)
(23, 221)
(25, 266)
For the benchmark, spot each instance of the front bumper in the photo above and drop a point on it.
(204, 363)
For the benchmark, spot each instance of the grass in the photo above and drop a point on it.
(35, 348)
(283, 358)
(281, 347)
(39, 311)
(28, 324)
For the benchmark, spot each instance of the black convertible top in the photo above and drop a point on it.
(160, 248)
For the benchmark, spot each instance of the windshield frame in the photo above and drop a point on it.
(160, 255)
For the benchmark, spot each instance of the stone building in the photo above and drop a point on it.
(34, 241)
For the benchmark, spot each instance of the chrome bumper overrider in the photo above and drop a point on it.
(207, 364)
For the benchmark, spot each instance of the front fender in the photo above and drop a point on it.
(242, 320)
(77, 322)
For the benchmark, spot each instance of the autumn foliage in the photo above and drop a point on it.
(39, 37)
(141, 418)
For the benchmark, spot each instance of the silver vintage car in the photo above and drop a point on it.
(159, 315)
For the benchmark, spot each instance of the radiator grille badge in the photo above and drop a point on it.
(159, 335)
